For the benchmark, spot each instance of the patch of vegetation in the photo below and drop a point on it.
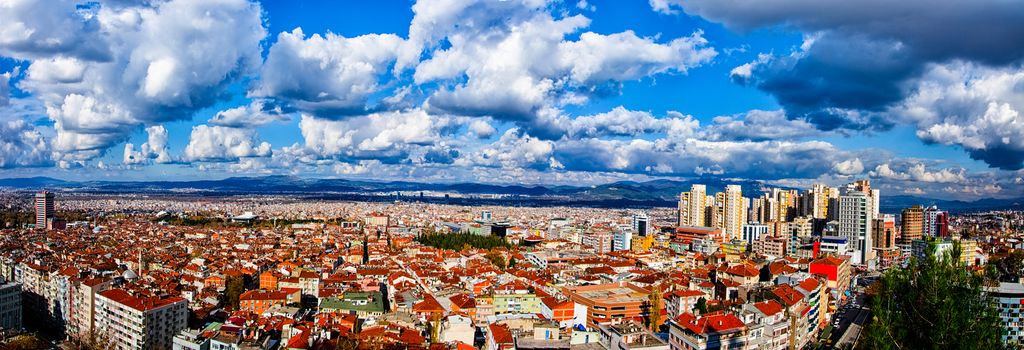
(460, 241)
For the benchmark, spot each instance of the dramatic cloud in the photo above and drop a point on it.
(623, 122)
(870, 65)
(849, 167)
(974, 107)
(329, 75)
(103, 71)
(219, 144)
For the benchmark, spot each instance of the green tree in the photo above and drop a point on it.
(512, 262)
(496, 258)
(655, 300)
(234, 287)
(701, 306)
(933, 303)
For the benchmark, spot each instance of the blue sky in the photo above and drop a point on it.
(520, 91)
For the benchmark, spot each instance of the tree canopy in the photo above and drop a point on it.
(933, 303)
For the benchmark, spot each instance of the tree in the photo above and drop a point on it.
(234, 286)
(933, 303)
(701, 306)
(512, 262)
(655, 300)
(496, 258)
(346, 343)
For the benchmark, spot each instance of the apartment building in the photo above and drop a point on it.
(133, 322)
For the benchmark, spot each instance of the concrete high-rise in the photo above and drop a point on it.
(936, 222)
(911, 224)
(856, 213)
(693, 206)
(733, 211)
(44, 209)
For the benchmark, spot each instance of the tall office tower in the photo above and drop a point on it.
(855, 223)
(640, 224)
(936, 222)
(683, 209)
(911, 224)
(697, 206)
(44, 209)
(732, 211)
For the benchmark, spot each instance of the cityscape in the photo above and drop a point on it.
(511, 174)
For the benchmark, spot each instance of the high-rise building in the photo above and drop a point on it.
(44, 209)
(640, 224)
(936, 222)
(912, 224)
(855, 221)
(693, 206)
(733, 211)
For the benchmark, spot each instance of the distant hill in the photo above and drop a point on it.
(662, 192)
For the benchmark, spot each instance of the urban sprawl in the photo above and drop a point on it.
(789, 269)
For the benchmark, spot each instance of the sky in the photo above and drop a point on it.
(922, 97)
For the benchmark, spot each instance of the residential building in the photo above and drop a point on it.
(133, 322)
(607, 303)
(912, 224)
(10, 306)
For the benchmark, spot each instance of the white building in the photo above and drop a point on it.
(753, 232)
(1009, 297)
(139, 323)
(856, 212)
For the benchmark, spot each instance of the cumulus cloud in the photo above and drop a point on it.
(849, 167)
(918, 172)
(328, 75)
(220, 144)
(759, 125)
(945, 67)
(5, 88)
(524, 63)
(386, 135)
(153, 150)
(256, 114)
(22, 145)
(624, 122)
(105, 70)
(975, 107)
(514, 149)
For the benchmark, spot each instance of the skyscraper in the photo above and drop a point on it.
(693, 206)
(44, 209)
(732, 211)
(855, 221)
(911, 224)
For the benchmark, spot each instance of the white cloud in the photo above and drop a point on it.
(849, 167)
(327, 75)
(918, 172)
(256, 114)
(153, 150)
(104, 70)
(760, 125)
(974, 107)
(218, 143)
(524, 64)
(383, 135)
(22, 145)
(513, 150)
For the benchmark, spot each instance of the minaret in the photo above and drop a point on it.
(140, 263)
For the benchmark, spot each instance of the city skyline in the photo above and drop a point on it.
(793, 93)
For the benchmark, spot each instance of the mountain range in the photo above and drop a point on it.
(661, 192)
